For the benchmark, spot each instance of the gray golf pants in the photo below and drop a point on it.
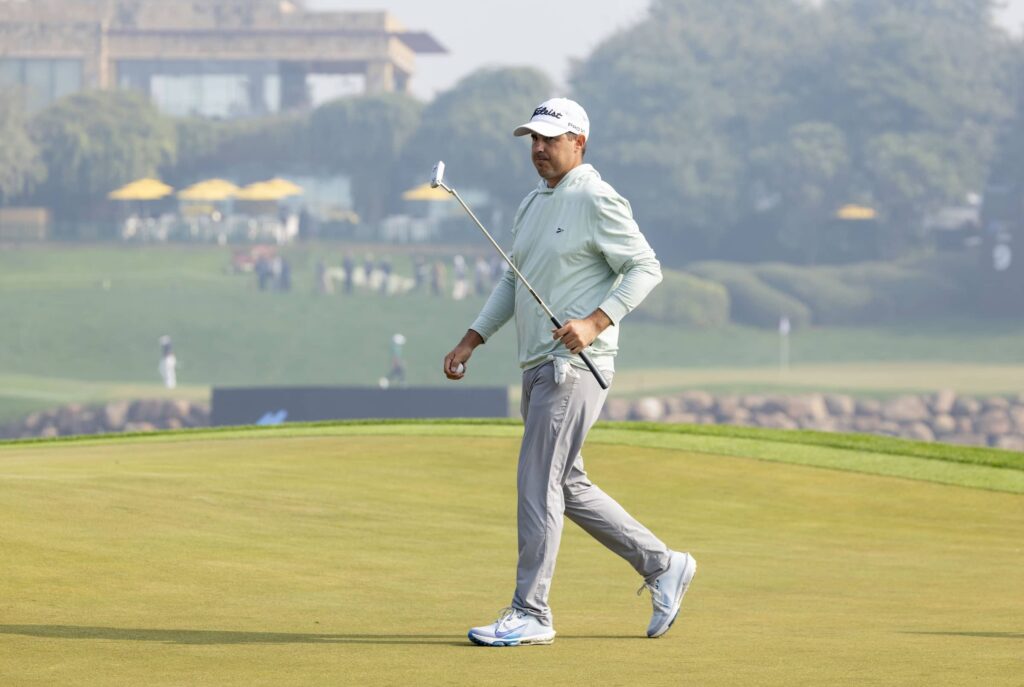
(551, 482)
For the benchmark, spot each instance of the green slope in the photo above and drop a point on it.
(359, 554)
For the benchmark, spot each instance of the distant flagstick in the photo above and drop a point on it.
(437, 180)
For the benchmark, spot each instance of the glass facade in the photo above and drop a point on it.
(44, 81)
(216, 89)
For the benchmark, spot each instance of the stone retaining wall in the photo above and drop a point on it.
(117, 416)
(944, 416)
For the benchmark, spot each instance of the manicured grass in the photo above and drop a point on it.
(359, 554)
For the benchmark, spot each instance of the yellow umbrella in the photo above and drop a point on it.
(262, 191)
(291, 188)
(856, 212)
(209, 190)
(142, 189)
(425, 192)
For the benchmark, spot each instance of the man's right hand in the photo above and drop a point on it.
(460, 355)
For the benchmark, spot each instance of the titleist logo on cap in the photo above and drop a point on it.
(545, 111)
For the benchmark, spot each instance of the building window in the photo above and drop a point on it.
(210, 88)
(44, 81)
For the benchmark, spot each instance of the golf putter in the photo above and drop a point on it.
(437, 180)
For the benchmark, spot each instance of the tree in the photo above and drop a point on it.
(94, 142)
(679, 103)
(470, 128)
(247, 149)
(20, 165)
(363, 137)
(806, 176)
(920, 89)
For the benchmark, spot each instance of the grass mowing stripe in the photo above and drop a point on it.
(982, 469)
(849, 460)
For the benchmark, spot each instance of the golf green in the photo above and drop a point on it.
(361, 554)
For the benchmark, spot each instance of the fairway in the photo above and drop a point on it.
(360, 554)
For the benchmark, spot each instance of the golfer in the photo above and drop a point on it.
(575, 239)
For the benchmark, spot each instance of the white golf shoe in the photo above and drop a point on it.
(512, 628)
(667, 592)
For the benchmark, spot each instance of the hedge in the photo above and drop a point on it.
(685, 299)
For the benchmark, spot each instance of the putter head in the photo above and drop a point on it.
(438, 174)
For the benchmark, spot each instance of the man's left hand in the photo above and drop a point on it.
(578, 334)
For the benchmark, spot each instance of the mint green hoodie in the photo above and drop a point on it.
(580, 249)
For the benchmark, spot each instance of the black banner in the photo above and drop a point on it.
(274, 405)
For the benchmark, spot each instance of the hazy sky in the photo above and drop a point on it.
(538, 33)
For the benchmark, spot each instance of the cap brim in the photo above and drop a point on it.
(541, 129)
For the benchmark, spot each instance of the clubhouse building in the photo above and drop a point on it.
(209, 58)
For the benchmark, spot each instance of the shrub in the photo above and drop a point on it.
(752, 300)
(830, 299)
(685, 299)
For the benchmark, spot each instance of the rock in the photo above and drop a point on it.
(706, 419)
(172, 423)
(753, 402)
(199, 416)
(615, 409)
(1010, 443)
(867, 424)
(918, 431)
(648, 409)
(775, 421)
(177, 408)
(681, 418)
(995, 403)
(827, 424)
(698, 401)
(966, 406)
(139, 427)
(33, 422)
(67, 417)
(942, 402)
(905, 409)
(1017, 416)
(114, 415)
(944, 424)
(48, 432)
(675, 404)
(85, 422)
(728, 406)
(966, 439)
(995, 422)
(868, 407)
(840, 405)
(889, 428)
(738, 416)
(964, 425)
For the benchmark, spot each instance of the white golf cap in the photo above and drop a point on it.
(555, 117)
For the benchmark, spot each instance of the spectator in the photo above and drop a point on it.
(482, 277)
(168, 363)
(459, 288)
(349, 266)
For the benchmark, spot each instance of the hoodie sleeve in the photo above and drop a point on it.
(627, 252)
(499, 308)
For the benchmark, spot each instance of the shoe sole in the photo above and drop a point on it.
(511, 642)
(688, 573)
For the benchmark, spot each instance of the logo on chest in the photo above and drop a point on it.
(559, 230)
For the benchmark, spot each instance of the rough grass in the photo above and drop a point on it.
(359, 554)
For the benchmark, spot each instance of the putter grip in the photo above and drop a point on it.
(586, 359)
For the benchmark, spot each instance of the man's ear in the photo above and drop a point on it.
(581, 141)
